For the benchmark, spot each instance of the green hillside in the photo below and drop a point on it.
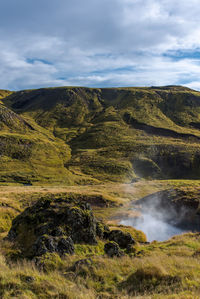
(64, 238)
(29, 153)
(79, 135)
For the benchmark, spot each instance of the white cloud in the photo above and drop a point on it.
(98, 43)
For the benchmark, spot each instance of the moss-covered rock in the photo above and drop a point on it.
(54, 225)
(47, 243)
(123, 239)
(112, 249)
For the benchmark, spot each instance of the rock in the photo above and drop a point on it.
(30, 279)
(44, 229)
(42, 245)
(54, 225)
(131, 249)
(112, 249)
(46, 244)
(11, 235)
(57, 232)
(123, 239)
(65, 245)
(82, 224)
(102, 230)
(27, 278)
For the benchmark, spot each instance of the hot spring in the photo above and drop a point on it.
(161, 216)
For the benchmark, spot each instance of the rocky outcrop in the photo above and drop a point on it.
(124, 240)
(112, 249)
(47, 243)
(54, 225)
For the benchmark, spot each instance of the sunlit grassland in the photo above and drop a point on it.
(146, 272)
(76, 143)
(143, 274)
(79, 135)
(108, 200)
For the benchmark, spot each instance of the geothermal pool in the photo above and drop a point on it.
(154, 228)
(160, 217)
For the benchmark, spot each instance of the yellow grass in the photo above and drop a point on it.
(177, 257)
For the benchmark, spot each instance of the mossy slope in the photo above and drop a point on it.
(117, 134)
(30, 153)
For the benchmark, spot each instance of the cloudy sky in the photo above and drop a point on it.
(99, 43)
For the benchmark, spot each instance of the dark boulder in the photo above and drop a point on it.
(112, 249)
(102, 230)
(43, 244)
(124, 240)
(82, 225)
(54, 225)
(65, 245)
(58, 231)
(46, 244)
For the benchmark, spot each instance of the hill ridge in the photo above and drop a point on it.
(111, 134)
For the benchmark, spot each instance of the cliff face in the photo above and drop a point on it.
(80, 135)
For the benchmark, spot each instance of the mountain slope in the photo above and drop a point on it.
(117, 134)
(29, 153)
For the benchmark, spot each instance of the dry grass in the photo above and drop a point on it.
(158, 265)
(107, 278)
(13, 199)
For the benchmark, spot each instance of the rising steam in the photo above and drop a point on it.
(160, 218)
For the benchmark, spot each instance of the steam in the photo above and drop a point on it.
(160, 218)
(153, 227)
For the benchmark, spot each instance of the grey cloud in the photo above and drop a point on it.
(95, 23)
(86, 42)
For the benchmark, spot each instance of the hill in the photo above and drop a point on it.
(113, 134)
(91, 138)
(29, 153)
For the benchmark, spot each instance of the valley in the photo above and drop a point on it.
(124, 165)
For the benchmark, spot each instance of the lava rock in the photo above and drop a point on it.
(54, 225)
(82, 225)
(112, 249)
(11, 235)
(30, 279)
(43, 245)
(124, 240)
(65, 245)
(57, 232)
(102, 230)
(44, 229)
(46, 244)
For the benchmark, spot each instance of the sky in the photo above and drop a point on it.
(99, 43)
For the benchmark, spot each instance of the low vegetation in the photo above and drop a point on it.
(73, 160)
(73, 135)
(168, 269)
